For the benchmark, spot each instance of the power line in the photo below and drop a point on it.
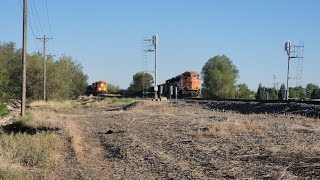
(48, 17)
(31, 28)
(32, 14)
(36, 11)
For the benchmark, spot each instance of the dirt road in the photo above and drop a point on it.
(160, 140)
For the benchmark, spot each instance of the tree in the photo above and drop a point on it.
(297, 93)
(140, 79)
(315, 94)
(309, 89)
(260, 93)
(282, 92)
(266, 93)
(272, 93)
(243, 92)
(112, 88)
(65, 77)
(219, 77)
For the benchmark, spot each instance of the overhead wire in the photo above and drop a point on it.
(32, 18)
(36, 14)
(49, 25)
(35, 25)
(31, 28)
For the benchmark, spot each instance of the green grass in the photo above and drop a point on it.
(55, 105)
(110, 102)
(3, 109)
(118, 102)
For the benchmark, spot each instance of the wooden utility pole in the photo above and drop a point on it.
(24, 59)
(44, 66)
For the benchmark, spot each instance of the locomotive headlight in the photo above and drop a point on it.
(99, 89)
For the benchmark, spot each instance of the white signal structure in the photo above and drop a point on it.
(155, 41)
(287, 47)
(294, 52)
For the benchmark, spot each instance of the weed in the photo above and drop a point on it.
(111, 102)
(3, 109)
(20, 174)
(30, 150)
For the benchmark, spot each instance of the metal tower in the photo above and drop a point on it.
(300, 52)
(294, 52)
(147, 47)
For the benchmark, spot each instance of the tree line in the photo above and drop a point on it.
(311, 91)
(65, 78)
(219, 81)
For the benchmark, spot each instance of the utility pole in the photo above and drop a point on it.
(24, 59)
(155, 43)
(287, 48)
(44, 65)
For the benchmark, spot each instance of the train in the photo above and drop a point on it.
(97, 88)
(188, 84)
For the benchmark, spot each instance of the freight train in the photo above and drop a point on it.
(188, 85)
(97, 88)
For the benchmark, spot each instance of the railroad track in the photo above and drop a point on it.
(314, 102)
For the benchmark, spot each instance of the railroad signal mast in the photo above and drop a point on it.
(294, 52)
(155, 43)
(149, 45)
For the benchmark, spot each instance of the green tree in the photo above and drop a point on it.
(265, 93)
(65, 77)
(219, 77)
(112, 88)
(282, 92)
(297, 93)
(260, 93)
(140, 79)
(272, 93)
(309, 89)
(243, 92)
(315, 94)
(10, 65)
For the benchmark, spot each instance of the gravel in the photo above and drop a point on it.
(308, 110)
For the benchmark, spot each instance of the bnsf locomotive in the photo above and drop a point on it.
(188, 85)
(97, 88)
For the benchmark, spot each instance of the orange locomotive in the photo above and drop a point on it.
(188, 84)
(97, 88)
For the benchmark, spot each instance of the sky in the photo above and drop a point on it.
(105, 36)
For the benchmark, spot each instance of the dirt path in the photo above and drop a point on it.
(156, 140)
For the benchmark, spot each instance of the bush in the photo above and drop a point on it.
(65, 78)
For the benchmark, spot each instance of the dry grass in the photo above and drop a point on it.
(55, 105)
(76, 139)
(26, 156)
(111, 102)
(21, 174)
(67, 124)
(62, 105)
(29, 150)
(229, 129)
